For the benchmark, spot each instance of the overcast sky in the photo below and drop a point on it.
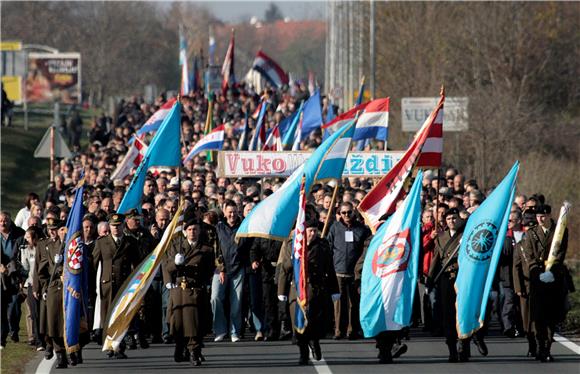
(242, 10)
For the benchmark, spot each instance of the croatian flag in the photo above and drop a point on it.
(382, 199)
(214, 141)
(156, 119)
(389, 275)
(300, 262)
(339, 121)
(374, 121)
(270, 70)
(131, 160)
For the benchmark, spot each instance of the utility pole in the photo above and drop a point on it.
(372, 49)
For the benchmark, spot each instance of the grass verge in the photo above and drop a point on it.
(14, 357)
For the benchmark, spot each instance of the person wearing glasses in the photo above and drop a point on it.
(347, 239)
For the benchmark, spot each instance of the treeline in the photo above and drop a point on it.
(519, 64)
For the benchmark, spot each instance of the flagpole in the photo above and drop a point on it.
(437, 202)
(330, 209)
(178, 169)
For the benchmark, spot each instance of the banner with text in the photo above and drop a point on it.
(234, 164)
(53, 77)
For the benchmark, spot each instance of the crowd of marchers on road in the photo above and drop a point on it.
(211, 284)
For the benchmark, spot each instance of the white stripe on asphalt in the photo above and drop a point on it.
(45, 365)
(320, 366)
(567, 343)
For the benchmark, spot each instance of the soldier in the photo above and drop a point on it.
(50, 272)
(146, 245)
(119, 254)
(547, 291)
(187, 272)
(521, 278)
(442, 273)
(322, 284)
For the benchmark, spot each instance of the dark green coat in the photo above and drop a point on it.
(117, 264)
(547, 300)
(50, 276)
(189, 311)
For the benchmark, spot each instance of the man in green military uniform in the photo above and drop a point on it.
(147, 242)
(50, 272)
(188, 269)
(442, 274)
(119, 254)
(547, 290)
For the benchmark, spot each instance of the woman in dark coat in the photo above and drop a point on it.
(322, 284)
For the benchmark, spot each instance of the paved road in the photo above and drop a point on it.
(426, 355)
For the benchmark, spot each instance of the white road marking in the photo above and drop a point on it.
(567, 343)
(46, 365)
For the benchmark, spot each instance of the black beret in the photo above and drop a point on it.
(133, 213)
(451, 211)
(544, 209)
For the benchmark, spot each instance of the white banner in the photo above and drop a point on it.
(415, 110)
(234, 164)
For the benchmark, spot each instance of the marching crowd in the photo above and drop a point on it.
(211, 283)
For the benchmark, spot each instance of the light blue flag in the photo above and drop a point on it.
(274, 217)
(312, 118)
(390, 269)
(164, 150)
(479, 253)
(290, 134)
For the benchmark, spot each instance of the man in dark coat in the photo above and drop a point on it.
(443, 271)
(322, 285)
(50, 270)
(347, 238)
(119, 254)
(188, 269)
(263, 257)
(547, 285)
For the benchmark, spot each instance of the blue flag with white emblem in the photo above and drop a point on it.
(390, 268)
(479, 254)
(76, 276)
(274, 217)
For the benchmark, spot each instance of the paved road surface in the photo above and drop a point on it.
(426, 355)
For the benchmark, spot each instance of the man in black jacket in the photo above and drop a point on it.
(347, 238)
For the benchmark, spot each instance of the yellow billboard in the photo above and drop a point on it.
(10, 46)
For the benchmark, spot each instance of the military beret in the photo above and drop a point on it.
(52, 223)
(133, 213)
(116, 219)
(451, 211)
(544, 209)
(190, 222)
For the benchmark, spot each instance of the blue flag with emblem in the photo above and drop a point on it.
(76, 276)
(164, 150)
(274, 217)
(479, 254)
(390, 268)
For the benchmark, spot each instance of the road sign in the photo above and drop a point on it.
(60, 148)
(415, 110)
